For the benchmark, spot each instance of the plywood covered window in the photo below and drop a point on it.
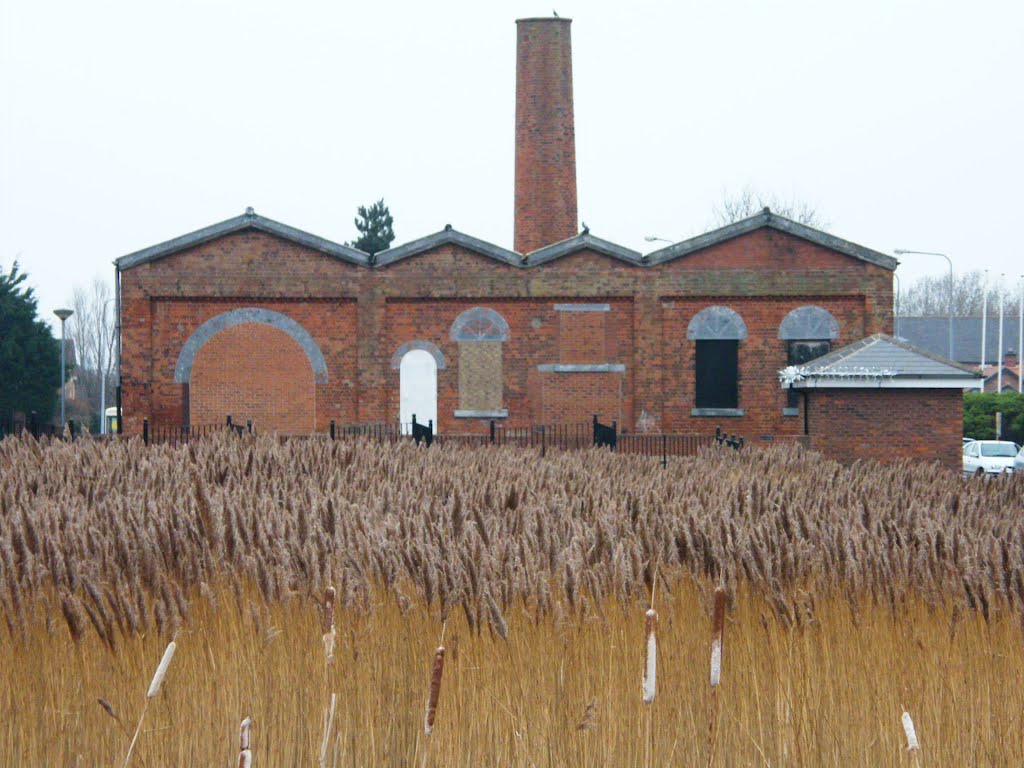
(480, 333)
(808, 332)
(717, 332)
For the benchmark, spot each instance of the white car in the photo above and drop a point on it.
(989, 457)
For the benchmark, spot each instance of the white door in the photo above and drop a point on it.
(417, 389)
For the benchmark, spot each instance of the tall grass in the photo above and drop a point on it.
(857, 594)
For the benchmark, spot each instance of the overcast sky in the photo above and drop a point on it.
(124, 124)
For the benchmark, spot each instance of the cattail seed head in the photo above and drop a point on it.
(435, 690)
(908, 729)
(651, 658)
(158, 677)
(497, 620)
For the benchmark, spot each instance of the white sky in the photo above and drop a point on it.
(124, 124)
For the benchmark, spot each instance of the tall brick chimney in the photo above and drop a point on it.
(545, 134)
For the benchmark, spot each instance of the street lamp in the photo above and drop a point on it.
(896, 324)
(903, 251)
(655, 239)
(63, 314)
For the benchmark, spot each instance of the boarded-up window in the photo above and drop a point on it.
(480, 376)
(480, 333)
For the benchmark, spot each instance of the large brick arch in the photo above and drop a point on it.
(252, 364)
(225, 320)
(253, 371)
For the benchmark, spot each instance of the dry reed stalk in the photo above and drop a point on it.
(154, 689)
(327, 624)
(912, 745)
(328, 722)
(244, 752)
(717, 632)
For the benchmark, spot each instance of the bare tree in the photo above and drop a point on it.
(751, 201)
(928, 296)
(91, 328)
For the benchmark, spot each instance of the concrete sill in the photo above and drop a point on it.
(582, 368)
(500, 414)
(717, 412)
(790, 411)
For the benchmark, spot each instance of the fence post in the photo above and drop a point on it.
(248, 425)
(430, 434)
(229, 419)
(664, 451)
(332, 429)
(543, 442)
(145, 431)
(595, 429)
(615, 434)
(492, 431)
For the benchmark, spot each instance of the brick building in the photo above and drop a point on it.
(260, 320)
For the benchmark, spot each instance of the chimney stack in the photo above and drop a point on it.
(545, 134)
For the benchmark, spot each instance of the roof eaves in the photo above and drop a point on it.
(445, 237)
(237, 224)
(775, 221)
(581, 242)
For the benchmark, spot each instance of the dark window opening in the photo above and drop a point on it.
(718, 374)
(801, 353)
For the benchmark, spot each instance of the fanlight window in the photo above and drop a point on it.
(479, 324)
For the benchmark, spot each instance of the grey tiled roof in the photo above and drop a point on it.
(248, 220)
(885, 353)
(774, 221)
(584, 241)
(932, 334)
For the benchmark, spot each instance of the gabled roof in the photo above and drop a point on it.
(774, 221)
(583, 242)
(249, 220)
(447, 236)
(881, 361)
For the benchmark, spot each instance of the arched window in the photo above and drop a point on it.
(808, 332)
(717, 332)
(480, 333)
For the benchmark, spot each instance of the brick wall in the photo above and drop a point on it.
(256, 372)
(359, 317)
(887, 424)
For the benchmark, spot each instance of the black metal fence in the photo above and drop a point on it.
(542, 437)
(31, 425)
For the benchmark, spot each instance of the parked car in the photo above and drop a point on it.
(968, 440)
(989, 457)
(1018, 463)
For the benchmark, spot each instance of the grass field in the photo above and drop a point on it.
(853, 595)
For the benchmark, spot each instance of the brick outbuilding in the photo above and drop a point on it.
(266, 322)
(882, 399)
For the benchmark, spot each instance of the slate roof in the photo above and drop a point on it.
(584, 241)
(932, 334)
(883, 358)
(248, 220)
(773, 221)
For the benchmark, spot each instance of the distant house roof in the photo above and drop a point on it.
(773, 221)
(932, 334)
(882, 362)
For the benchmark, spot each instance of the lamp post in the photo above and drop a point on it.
(656, 239)
(896, 320)
(903, 251)
(63, 314)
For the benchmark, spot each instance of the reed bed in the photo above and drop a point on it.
(854, 594)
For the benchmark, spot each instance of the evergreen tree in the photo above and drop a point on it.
(374, 225)
(29, 355)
